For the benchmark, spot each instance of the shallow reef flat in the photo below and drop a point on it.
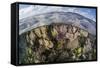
(56, 42)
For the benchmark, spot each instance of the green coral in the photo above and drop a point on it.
(54, 32)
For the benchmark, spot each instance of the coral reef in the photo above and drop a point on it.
(56, 42)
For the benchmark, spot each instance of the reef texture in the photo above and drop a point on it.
(56, 43)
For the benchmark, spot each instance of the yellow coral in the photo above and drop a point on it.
(54, 32)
